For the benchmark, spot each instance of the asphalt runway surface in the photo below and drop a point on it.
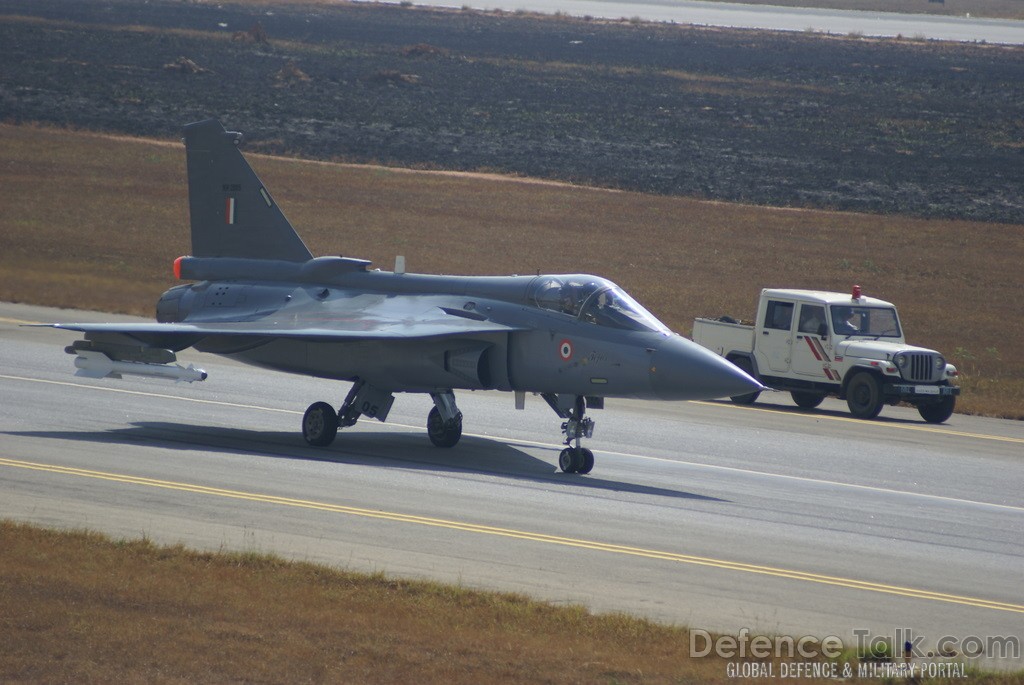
(719, 517)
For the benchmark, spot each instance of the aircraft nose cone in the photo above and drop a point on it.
(683, 370)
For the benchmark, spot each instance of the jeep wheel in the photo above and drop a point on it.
(807, 400)
(938, 412)
(864, 396)
(744, 365)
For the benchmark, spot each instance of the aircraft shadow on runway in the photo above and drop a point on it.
(471, 455)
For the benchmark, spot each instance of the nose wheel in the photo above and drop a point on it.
(576, 460)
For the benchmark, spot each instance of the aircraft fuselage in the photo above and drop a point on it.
(544, 351)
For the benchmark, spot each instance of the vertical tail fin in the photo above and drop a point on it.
(232, 213)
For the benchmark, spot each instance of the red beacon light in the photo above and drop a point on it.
(177, 267)
(856, 292)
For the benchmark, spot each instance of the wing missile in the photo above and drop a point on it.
(93, 364)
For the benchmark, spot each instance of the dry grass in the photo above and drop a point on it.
(92, 222)
(78, 607)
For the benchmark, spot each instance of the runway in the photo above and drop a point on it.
(773, 17)
(699, 513)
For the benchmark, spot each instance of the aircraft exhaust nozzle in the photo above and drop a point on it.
(91, 364)
(683, 370)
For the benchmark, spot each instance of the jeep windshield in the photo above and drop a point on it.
(875, 322)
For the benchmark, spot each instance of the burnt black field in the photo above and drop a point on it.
(804, 120)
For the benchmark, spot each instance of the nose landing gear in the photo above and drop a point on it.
(574, 458)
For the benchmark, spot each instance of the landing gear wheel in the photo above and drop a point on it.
(320, 424)
(939, 412)
(576, 460)
(588, 461)
(807, 400)
(743, 364)
(443, 434)
(864, 396)
(567, 460)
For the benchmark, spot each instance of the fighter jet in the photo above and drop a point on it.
(257, 294)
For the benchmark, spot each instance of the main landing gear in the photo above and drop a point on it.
(320, 423)
(574, 458)
(444, 422)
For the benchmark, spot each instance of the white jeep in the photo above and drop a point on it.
(815, 343)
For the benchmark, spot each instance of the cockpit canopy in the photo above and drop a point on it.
(594, 300)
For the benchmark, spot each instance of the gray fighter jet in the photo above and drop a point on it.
(259, 296)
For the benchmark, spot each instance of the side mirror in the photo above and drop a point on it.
(823, 330)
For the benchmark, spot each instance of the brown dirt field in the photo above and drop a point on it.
(79, 608)
(104, 238)
(785, 119)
